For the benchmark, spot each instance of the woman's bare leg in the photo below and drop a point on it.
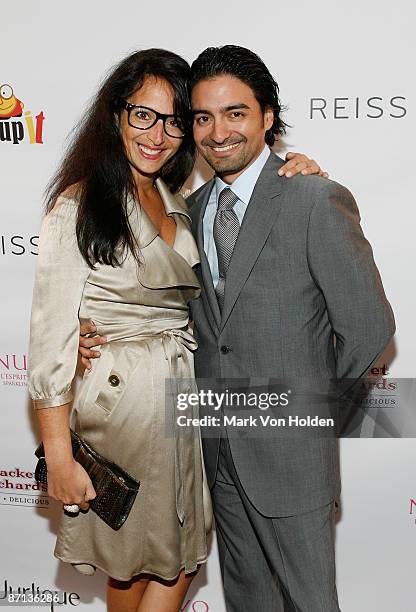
(162, 596)
(125, 596)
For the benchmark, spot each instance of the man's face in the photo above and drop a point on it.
(229, 125)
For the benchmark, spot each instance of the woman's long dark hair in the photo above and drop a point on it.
(96, 162)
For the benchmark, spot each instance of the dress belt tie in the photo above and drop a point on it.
(174, 341)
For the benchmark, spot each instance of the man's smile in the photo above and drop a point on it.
(223, 148)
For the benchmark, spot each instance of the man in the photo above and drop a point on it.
(285, 270)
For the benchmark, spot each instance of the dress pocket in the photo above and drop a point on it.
(113, 384)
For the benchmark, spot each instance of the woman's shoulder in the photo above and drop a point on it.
(65, 206)
(70, 196)
(62, 216)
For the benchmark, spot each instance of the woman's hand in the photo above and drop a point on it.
(299, 163)
(89, 338)
(69, 483)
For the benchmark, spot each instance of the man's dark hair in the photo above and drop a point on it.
(245, 65)
(96, 160)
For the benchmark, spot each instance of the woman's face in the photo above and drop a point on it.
(148, 150)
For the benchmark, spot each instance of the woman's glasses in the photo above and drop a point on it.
(143, 118)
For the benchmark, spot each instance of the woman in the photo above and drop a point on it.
(116, 248)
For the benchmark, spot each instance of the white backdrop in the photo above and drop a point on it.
(354, 61)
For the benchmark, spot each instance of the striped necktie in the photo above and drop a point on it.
(226, 228)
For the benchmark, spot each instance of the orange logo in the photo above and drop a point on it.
(10, 106)
(11, 128)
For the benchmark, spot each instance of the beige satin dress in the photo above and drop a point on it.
(119, 408)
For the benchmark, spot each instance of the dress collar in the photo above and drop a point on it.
(145, 231)
(173, 203)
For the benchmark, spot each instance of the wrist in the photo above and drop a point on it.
(56, 463)
(58, 453)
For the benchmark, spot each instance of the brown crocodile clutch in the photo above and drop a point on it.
(116, 490)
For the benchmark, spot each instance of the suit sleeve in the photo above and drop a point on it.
(61, 273)
(342, 265)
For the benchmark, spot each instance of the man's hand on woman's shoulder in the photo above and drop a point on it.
(300, 163)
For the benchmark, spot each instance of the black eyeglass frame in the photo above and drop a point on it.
(129, 107)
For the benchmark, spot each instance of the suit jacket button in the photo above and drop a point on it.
(225, 349)
(114, 380)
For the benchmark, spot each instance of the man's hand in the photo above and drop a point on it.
(299, 163)
(89, 338)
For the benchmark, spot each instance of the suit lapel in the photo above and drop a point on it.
(261, 213)
(208, 293)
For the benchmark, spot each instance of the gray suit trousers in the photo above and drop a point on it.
(284, 564)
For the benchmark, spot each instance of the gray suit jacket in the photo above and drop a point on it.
(301, 272)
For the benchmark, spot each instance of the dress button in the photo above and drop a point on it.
(114, 380)
(225, 349)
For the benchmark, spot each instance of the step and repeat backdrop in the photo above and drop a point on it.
(345, 75)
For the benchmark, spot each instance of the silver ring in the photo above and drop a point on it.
(72, 508)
